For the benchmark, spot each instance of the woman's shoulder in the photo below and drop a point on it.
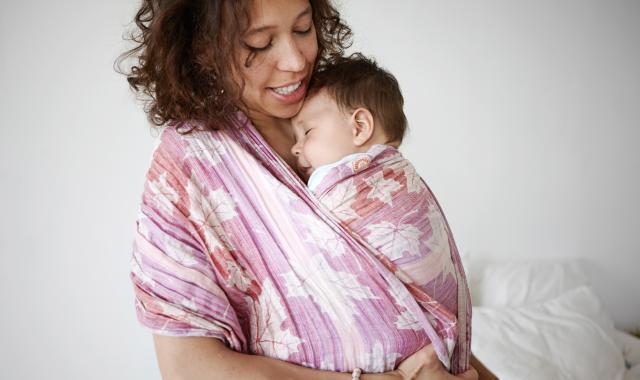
(178, 143)
(183, 139)
(186, 145)
(183, 132)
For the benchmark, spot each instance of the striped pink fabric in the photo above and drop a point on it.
(381, 199)
(230, 244)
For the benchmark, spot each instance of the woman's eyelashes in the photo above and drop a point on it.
(306, 31)
(257, 49)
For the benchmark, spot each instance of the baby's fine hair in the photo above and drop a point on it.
(357, 81)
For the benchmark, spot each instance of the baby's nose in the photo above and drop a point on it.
(295, 149)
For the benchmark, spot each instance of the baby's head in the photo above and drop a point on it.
(350, 106)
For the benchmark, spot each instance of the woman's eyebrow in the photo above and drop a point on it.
(304, 13)
(269, 27)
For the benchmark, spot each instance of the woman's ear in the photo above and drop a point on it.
(363, 126)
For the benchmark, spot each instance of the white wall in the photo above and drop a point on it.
(525, 121)
(74, 148)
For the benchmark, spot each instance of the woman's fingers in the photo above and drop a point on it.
(425, 365)
(470, 374)
(412, 365)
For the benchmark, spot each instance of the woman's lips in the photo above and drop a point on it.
(293, 97)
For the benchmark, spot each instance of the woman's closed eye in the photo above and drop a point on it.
(306, 31)
(256, 49)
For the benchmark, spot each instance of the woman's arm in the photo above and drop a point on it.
(484, 372)
(200, 358)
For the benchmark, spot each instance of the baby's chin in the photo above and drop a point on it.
(305, 173)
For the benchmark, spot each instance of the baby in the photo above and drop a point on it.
(347, 134)
(350, 107)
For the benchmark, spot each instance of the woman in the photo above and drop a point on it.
(225, 238)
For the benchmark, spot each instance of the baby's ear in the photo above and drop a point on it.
(363, 126)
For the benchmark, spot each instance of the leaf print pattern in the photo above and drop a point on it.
(202, 149)
(209, 212)
(414, 182)
(406, 321)
(381, 358)
(165, 196)
(320, 235)
(236, 277)
(381, 188)
(268, 337)
(346, 281)
(400, 218)
(230, 245)
(404, 238)
(338, 200)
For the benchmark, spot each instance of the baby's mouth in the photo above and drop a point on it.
(305, 172)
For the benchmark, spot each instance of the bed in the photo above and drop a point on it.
(542, 320)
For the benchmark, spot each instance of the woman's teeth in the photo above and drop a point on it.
(288, 89)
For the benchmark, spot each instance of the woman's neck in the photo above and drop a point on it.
(278, 133)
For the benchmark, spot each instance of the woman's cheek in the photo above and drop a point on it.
(311, 51)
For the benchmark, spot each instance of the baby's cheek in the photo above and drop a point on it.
(317, 154)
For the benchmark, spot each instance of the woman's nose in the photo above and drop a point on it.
(291, 57)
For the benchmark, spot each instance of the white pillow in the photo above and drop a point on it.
(630, 346)
(633, 373)
(522, 282)
(567, 337)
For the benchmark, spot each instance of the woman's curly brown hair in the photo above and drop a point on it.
(184, 55)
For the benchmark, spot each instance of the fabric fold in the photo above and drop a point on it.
(231, 244)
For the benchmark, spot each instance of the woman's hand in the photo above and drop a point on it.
(425, 365)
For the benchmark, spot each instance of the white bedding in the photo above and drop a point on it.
(541, 320)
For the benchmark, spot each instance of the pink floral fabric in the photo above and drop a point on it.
(230, 244)
(380, 198)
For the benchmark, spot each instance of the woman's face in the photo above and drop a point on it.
(282, 39)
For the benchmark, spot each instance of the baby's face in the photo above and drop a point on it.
(323, 134)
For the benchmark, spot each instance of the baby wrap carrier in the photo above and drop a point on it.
(231, 244)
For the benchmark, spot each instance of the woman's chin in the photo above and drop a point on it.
(273, 112)
(286, 111)
(286, 106)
